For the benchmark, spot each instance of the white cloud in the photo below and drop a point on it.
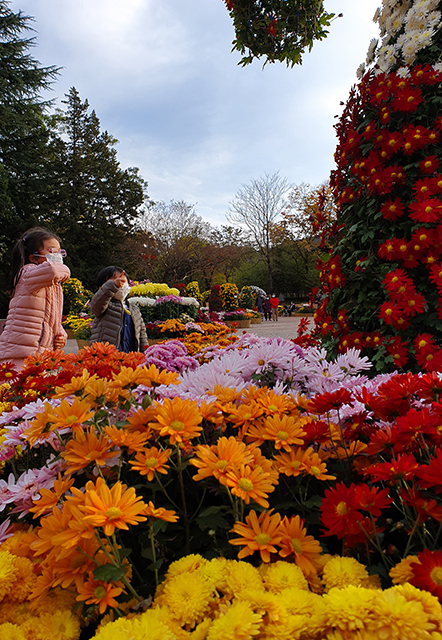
(162, 79)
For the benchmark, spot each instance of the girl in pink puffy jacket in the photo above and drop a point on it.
(35, 310)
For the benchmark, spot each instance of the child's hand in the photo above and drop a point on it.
(59, 341)
(120, 280)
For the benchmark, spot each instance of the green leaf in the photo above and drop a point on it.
(109, 572)
(154, 566)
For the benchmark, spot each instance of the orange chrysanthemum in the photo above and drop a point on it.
(294, 540)
(98, 392)
(243, 416)
(273, 404)
(73, 415)
(76, 386)
(42, 426)
(49, 498)
(151, 460)
(134, 441)
(101, 593)
(220, 458)
(161, 514)
(259, 534)
(316, 467)
(294, 462)
(87, 448)
(139, 421)
(250, 484)
(113, 508)
(178, 419)
(284, 431)
(148, 376)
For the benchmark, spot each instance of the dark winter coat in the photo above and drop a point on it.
(108, 314)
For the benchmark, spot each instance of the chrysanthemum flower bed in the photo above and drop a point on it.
(132, 477)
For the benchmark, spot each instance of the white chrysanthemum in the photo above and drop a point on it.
(409, 50)
(403, 72)
(360, 71)
(371, 50)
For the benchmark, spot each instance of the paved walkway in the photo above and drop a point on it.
(284, 328)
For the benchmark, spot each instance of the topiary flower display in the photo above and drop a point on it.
(229, 295)
(247, 298)
(383, 276)
(193, 290)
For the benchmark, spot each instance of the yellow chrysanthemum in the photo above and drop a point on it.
(342, 572)
(290, 628)
(216, 571)
(188, 597)
(298, 602)
(403, 572)
(238, 623)
(396, 618)
(187, 564)
(240, 576)
(264, 603)
(153, 624)
(349, 609)
(14, 612)
(57, 598)
(120, 629)
(9, 631)
(430, 603)
(200, 632)
(60, 625)
(25, 580)
(282, 575)
(7, 572)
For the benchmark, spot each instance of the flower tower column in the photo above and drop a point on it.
(383, 276)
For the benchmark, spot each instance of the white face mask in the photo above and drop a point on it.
(54, 257)
(123, 292)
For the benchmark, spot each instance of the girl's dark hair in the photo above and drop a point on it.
(30, 242)
(106, 274)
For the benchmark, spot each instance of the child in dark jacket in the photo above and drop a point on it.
(117, 320)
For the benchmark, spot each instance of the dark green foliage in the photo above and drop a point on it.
(277, 30)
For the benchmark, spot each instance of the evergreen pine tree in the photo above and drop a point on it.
(96, 202)
(23, 134)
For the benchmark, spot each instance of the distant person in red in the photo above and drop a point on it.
(266, 307)
(274, 302)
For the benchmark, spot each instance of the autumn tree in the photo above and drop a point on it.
(179, 235)
(257, 208)
(309, 211)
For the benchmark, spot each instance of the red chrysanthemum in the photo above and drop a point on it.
(430, 164)
(428, 572)
(392, 209)
(399, 351)
(330, 401)
(403, 468)
(339, 511)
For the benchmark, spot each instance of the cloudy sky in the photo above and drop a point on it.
(162, 79)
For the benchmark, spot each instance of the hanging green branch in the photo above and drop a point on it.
(277, 29)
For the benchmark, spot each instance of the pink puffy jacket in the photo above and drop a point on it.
(35, 312)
